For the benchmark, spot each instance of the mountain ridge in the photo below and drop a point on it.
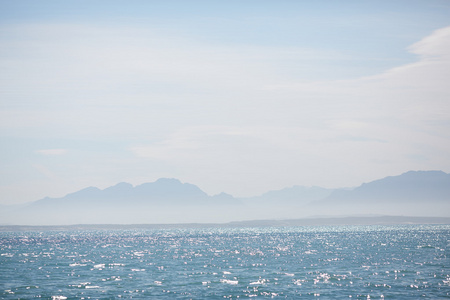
(168, 200)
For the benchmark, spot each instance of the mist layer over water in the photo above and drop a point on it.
(321, 262)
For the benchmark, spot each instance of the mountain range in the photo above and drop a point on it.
(415, 193)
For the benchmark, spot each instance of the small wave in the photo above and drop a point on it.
(261, 281)
(80, 285)
(269, 294)
(426, 247)
(228, 281)
(59, 297)
(99, 266)
(298, 281)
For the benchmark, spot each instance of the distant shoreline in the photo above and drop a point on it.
(317, 221)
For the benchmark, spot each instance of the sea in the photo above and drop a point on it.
(308, 262)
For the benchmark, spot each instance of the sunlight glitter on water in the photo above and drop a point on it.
(326, 262)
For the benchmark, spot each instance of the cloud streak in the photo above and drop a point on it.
(52, 151)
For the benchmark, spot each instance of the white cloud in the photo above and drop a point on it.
(52, 151)
(434, 46)
(411, 93)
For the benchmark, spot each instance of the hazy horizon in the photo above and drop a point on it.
(242, 97)
(349, 188)
(170, 201)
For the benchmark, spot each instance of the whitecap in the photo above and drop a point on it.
(261, 281)
(92, 287)
(99, 266)
(228, 281)
(298, 282)
(59, 297)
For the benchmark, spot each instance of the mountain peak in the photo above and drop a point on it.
(168, 181)
(413, 193)
(169, 187)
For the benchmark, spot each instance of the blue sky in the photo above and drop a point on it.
(235, 96)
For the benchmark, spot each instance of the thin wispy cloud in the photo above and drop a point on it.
(52, 151)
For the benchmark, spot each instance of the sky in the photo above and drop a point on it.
(240, 97)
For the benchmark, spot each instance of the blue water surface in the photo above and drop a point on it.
(311, 262)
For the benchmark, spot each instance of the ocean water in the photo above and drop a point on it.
(317, 262)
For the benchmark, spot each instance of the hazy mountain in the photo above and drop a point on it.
(285, 203)
(164, 190)
(297, 195)
(415, 193)
(420, 193)
(163, 201)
